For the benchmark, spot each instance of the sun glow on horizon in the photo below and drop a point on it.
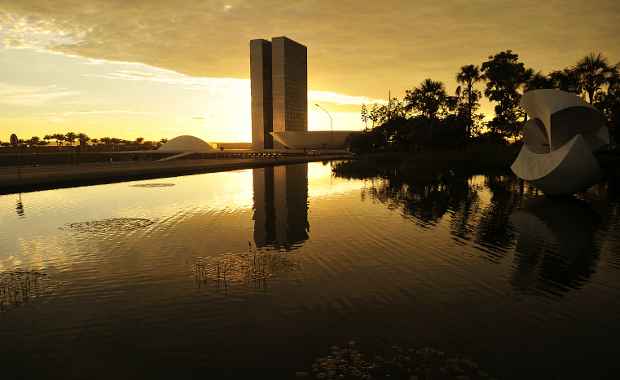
(158, 70)
(129, 100)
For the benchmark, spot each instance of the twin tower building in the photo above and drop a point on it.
(279, 82)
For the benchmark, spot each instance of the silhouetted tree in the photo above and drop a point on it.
(60, 138)
(565, 80)
(379, 114)
(34, 140)
(364, 115)
(428, 99)
(609, 102)
(537, 81)
(70, 137)
(83, 138)
(593, 72)
(505, 75)
(467, 77)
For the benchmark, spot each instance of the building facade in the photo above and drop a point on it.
(279, 76)
(261, 92)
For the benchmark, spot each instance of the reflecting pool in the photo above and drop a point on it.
(265, 269)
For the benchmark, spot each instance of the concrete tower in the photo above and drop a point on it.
(289, 75)
(261, 91)
(279, 76)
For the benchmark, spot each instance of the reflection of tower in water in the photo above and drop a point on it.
(281, 205)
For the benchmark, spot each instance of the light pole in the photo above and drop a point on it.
(331, 123)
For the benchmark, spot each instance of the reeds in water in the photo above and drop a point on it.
(18, 287)
(250, 268)
(112, 225)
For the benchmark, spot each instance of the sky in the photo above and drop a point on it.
(158, 68)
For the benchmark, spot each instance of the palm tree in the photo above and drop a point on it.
(593, 72)
(468, 77)
(70, 137)
(83, 139)
(59, 137)
(48, 138)
(34, 140)
(427, 99)
(565, 80)
(536, 81)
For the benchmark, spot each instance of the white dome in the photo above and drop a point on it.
(186, 144)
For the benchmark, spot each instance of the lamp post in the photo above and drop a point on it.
(331, 123)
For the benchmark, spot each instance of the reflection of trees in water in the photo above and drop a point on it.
(459, 197)
(464, 210)
(556, 242)
(426, 203)
(494, 232)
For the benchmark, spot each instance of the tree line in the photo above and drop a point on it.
(428, 115)
(81, 139)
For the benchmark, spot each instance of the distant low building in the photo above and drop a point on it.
(186, 143)
(313, 139)
(232, 145)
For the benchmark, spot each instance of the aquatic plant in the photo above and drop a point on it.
(252, 267)
(19, 286)
(109, 225)
(396, 362)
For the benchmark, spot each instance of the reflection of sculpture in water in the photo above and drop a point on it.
(555, 249)
(281, 205)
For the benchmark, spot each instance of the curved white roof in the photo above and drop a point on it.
(186, 143)
(313, 139)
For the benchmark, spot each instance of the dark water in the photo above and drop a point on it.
(265, 269)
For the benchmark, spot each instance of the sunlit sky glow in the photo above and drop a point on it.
(159, 68)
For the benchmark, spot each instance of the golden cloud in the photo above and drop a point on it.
(354, 47)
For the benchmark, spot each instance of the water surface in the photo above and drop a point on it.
(159, 278)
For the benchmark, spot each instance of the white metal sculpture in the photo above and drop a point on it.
(558, 142)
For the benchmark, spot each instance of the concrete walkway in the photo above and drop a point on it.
(28, 178)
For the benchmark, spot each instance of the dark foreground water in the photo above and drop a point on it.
(267, 268)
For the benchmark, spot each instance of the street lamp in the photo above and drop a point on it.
(331, 123)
